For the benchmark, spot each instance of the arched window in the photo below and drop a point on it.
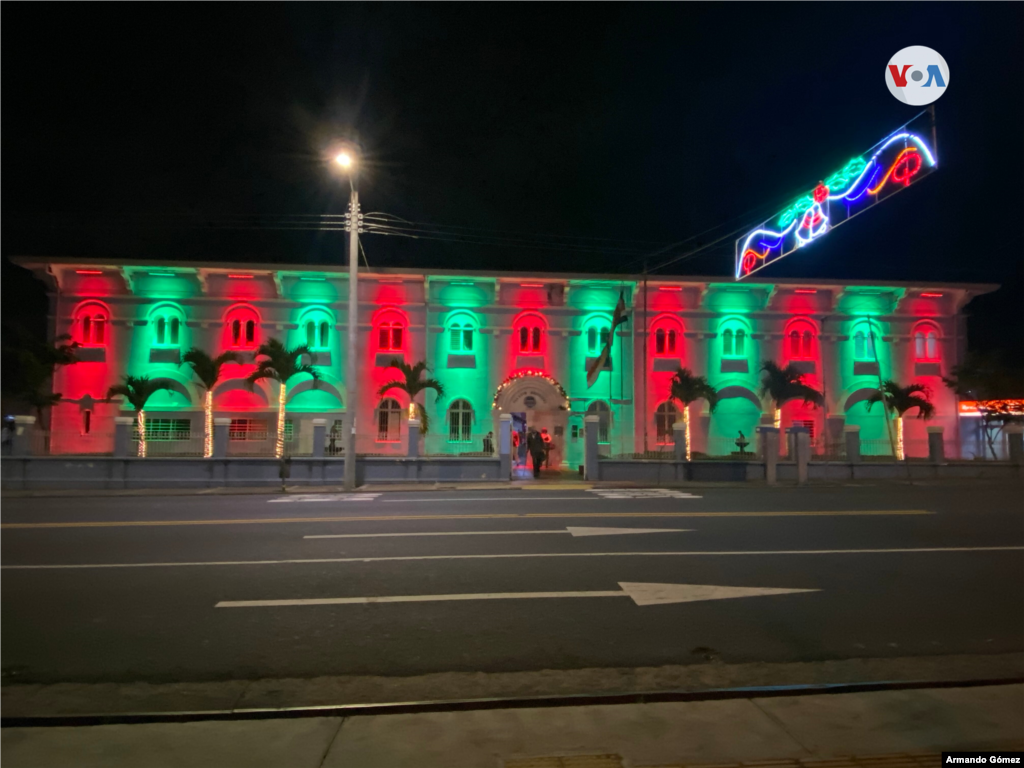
(310, 334)
(241, 322)
(389, 421)
(460, 422)
(864, 343)
(598, 335)
(666, 340)
(460, 337)
(926, 343)
(800, 341)
(167, 328)
(529, 334)
(734, 342)
(600, 409)
(390, 336)
(664, 417)
(92, 326)
(325, 334)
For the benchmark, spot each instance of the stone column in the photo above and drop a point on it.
(936, 446)
(590, 434)
(768, 438)
(851, 436)
(319, 437)
(414, 439)
(505, 445)
(1015, 442)
(21, 440)
(801, 442)
(220, 438)
(679, 435)
(123, 435)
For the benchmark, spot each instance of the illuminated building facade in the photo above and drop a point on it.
(499, 343)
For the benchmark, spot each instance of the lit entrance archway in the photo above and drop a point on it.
(535, 400)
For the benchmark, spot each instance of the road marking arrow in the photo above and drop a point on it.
(574, 531)
(641, 594)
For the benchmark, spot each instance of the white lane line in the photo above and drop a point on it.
(409, 558)
(641, 594)
(305, 497)
(642, 493)
(534, 498)
(573, 531)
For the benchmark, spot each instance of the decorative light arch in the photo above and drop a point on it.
(530, 373)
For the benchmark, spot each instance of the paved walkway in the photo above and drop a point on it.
(888, 729)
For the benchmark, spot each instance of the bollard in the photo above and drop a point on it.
(123, 435)
(319, 437)
(769, 440)
(505, 445)
(591, 427)
(679, 436)
(21, 440)
(801, 442)
(414, 439)
(936, 446)
(851, 436)
(1015, 442)
(220, 437)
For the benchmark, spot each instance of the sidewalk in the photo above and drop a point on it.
(798, 731)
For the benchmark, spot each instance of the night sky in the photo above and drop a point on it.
(552, 137)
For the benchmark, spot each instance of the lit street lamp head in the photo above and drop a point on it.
(344, 159)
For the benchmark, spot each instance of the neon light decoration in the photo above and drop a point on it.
(891, 165)
(523, 373)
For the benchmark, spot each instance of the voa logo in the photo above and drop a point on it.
(917, 75)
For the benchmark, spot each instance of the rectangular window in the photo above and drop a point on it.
(808, 423)
(389, 425)
(162, 430)
(467, 339)
(246, 430)
(86, 422)
(460, 426)
(98, 330)
(455, 342)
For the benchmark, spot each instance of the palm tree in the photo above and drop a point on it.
(275, 361)
(900, 400)
(688, 388)
(34, 363)
(785, 384)
(207, 369)
(137, 390)
(412, 385)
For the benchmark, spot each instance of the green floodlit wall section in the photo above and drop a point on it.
(469, 384)
(143, 343)
(596, 300)
(866, 310)
(739, 410)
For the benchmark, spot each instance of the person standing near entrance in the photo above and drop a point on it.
(535, 445)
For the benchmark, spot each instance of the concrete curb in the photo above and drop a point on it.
(450, 690)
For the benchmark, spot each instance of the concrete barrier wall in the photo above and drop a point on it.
(657, 472)
(105, 473)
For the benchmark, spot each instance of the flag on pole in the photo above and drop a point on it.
(618, 318)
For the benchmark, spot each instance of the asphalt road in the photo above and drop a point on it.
(119, 589)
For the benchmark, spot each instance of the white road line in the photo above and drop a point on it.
(573, 531)
(409, 558)
(325, 498)
(641, 594)
(536, 498)
(642, 493)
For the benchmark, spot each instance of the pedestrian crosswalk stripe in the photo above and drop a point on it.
(327, 497)
(642, 493)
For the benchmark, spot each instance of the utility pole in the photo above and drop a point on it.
(351, 359)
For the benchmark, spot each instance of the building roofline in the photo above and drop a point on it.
(37, 261)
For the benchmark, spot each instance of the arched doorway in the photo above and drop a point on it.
(535, 400)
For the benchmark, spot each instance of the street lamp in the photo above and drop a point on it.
(347, 161)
